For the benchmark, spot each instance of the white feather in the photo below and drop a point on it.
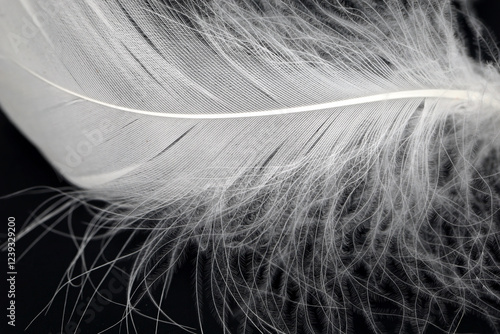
(312, 118)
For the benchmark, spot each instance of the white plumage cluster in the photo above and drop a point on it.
(325, 158)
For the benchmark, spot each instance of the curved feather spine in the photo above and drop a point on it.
(460, 95)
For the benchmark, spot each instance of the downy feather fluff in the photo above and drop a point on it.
(323, 157)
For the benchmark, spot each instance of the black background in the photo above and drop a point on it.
(40, 271)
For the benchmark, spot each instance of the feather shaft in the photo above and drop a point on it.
(458, 95)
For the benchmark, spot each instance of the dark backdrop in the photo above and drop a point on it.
(41, 269)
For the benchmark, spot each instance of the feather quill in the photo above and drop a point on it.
(321, 155)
